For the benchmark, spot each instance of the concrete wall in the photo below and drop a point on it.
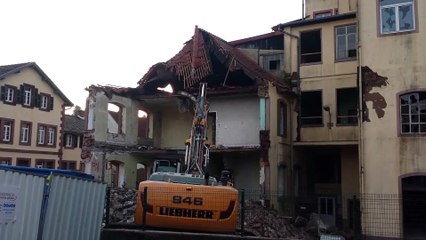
(99, 110)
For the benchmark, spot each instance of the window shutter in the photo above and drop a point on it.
(19, 94)
(38, 101)
(34, 97)
(3, 92)
(74, 141)
(51, 103)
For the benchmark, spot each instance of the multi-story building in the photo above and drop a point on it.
(322, 171)
(72, 142)
(31, 111)
(392, 55)
(369, 146)
(242, 122)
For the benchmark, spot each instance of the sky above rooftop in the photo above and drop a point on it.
(83, 42)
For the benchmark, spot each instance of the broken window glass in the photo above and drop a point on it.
(396, 16)
(413, 112)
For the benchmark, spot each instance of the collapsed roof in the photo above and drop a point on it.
(207, 58)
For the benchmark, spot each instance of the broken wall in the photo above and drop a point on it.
(237, 121)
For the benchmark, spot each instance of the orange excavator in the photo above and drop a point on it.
(193, 200)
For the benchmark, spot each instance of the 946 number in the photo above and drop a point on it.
(188, 200)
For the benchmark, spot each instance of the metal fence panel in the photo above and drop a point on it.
(74, 210)
(26, 192)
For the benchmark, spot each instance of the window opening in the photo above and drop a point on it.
(346, 42)
(311, 108)
(310, 46)
(413, 112)
(347, 102)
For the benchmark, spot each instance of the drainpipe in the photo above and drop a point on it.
(298, 137)
(360, 108)
(299, 109)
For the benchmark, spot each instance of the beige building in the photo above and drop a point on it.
(392, 35)
(72, 142)
(31, 111)
(321, 172)
(369, 146)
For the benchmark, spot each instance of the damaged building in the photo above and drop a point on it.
(324, 115)
(120, 147)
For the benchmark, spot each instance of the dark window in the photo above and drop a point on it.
(5, 161)
(413, 113)
(43, 163)
(69, 165)
(23, 162)
(310, 46)
(282, 118)
(346, 42)
(347, 102)
(396, 16)
(272, 62)
(311, 108)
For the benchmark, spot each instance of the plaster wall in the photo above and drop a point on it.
(401, 58)
(32, 156)
(34, 115)
(237, 121)
(326, 76)
(343, 6)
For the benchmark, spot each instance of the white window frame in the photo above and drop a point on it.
(409, 112)
(41, 135)
(51, 136)
(346, 42)
(69, 140)
(44, 102)
(27, 97)
(10, 93)
(396, 7)
(7, 131)
(25, 133)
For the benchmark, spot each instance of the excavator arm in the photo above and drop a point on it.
(196, 147)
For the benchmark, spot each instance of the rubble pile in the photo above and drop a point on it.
(122, 205)
(263, 222)
(259, 220)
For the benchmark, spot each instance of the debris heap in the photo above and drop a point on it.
(258, 221)
(263, 222)
(122, 205)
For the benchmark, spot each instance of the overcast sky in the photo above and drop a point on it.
(78, 43)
